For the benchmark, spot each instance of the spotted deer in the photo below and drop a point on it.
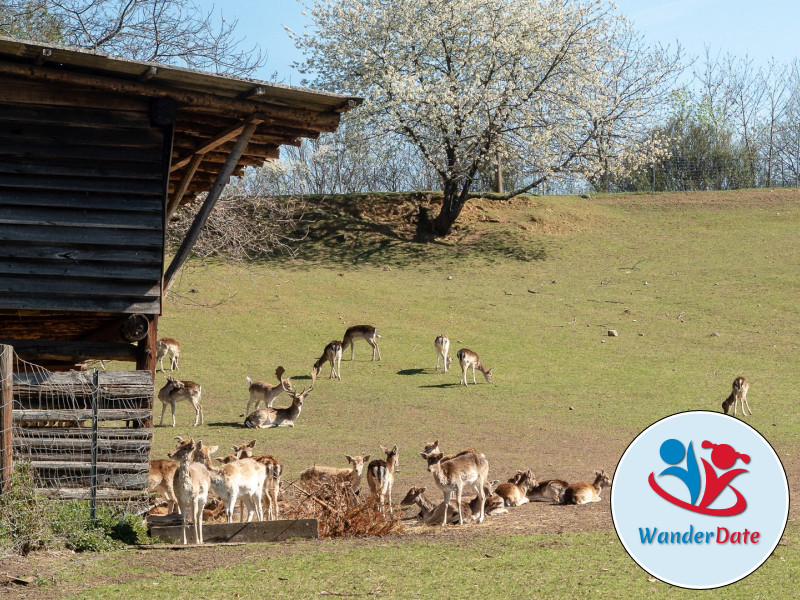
(583, 493)
(380, 476)
(514, 491)
(174, 391)
(266, 418)
(240, 479)
(467, 471)
(332, 354)
(442, 345)
(550, 490)
(192, 483)
(261, 391)
(738, 395)
(432, 513)
(361, 332)
(467, 358)
(274, 470)
(167, 347)
(320, 474)
(160, 480)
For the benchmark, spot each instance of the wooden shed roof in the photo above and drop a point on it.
(211, 109)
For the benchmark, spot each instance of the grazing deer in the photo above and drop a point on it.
(361, 332)
(738, 394)
(174, 391)
(266, 418)
(261, 391)
(442, 345)
(466, 471)
(467, 358)
(241, 479)
(160, 479)
(191, 484)
(319, 474)
(583, 493)
(551, 490)
(515, 491)
(167, 347)
(380, 476)
(332, 354)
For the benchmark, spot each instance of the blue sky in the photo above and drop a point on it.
(760, 29)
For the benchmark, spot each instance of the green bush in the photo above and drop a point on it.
(24, 515)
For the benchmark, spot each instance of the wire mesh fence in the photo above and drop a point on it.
(84, 435)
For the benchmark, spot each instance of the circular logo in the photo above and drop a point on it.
(700, 500)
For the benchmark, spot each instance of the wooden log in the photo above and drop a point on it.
(41, 415)
(217, 140)
(73, 351)
(80, 466)
(34, 456)
(255, 532)
(103, 494)
(107, 436)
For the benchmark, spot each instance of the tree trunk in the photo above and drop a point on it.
(452, 203)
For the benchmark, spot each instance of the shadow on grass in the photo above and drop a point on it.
(412, 371)
(440, 385)
(239, 424)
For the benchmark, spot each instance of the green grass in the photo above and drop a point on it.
(701, 288)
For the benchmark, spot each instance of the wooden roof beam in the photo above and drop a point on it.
(216, 141)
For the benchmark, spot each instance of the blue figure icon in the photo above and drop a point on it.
(672, 452)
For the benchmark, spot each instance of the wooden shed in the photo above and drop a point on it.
(96, 154)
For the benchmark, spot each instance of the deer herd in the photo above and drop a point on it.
(189, 476)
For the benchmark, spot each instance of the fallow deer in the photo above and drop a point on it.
(467, 358)
(266, 418)
(583, 493)
(191, 484)
(442, 345)
(160, 480)
(167, 347)
(738, 394)
(274, 471)
(240, 479)
(361, 332)
(174, 391)
(332, 354)
(514, 491)
(432, 448)
(261, 391)
(320, 474)
(432, 513)
(551, 490)
(468, 471)
(380, 476)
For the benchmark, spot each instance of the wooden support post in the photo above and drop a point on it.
(6, 416)
(205, 211)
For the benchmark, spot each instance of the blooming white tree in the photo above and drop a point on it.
(472, 82)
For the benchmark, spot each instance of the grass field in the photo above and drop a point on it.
(701, 288)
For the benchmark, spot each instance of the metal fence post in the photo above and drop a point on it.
(6, 415)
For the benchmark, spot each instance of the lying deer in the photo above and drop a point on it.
(583, 493)
(191, 484)
(551, 490)
(467, 358)
(432, 514)
(380, 476)
(442, 345)
(261, 391)
(160, 480)
(266, 418)
(468, 471)
(361, 332)
(167, 347)
(240, 479)
(514, 492)
(738, 394)
(332, 354)
(174, 391)
(319, 474)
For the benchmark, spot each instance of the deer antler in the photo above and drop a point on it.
(287, 385)
(279, 373)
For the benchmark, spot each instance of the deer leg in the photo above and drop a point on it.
(458, 502)
(446, 506)
(163, 410)
(173, 414)
(744, 401)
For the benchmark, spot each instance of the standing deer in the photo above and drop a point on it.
(515, 491)
(319, 474)
(239, 479)
(442, 345)
(261, 391)
(380, 476)
(583, 493)
(465, 471)
(361, 332)
(192, 482)
(167, 347)
(333, 354)
(467, 358)
(738, 394)
(174, 391)
(160, 479)
(274, 470)
(265, 418)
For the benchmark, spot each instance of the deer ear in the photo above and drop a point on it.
(251, 444)
(384, 450)
(212, 449)
(366, 458)
(349, 458)
(394, 449)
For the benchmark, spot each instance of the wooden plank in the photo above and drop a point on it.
(79, 286)
(122, 414)
(76, 114)
(89, 236)
(26, 92)
(115, 204)
(34, 455)
(79, 135)
(43, 150)
(71, 351)
(255, 532)
(38, 166)
(123, 187)
(75, 465)
(65, 268)
(100, 254)
(105, 435)
(103, 494)
(66, 217)
(83, 304)
(6, 415)
(120, 445)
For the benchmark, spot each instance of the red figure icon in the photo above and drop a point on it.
(724, 457)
